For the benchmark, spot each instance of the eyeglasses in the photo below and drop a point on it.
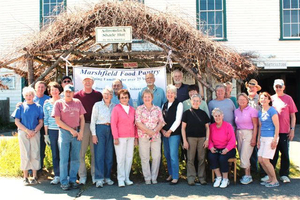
(278, 86)
(217, 115)
(124, 98)
(67, 81)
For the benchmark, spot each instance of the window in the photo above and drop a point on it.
(211, 18)
(49, 9)
(290, 19)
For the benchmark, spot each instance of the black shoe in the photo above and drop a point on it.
(169, 179)
(34, 181)
(74, 185)
(65, 187)
(26, 182)
(174, 183)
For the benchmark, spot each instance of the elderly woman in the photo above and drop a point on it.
(194, 90)
(268, 135)
(149, 121)
(102, 138)
(172, 113)
(51, 128)
(125, 136)
(195, 134)
(224, 104)
(228, 86)
(29, 120)
(246, 122)
(222, 147)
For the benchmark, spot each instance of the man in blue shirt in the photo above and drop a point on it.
(40, 98)
(182, 89)
(159, 96)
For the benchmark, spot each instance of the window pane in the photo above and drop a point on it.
(46, 10)
(286, 4)
(211, 4)
(286, 16)
(294, 16)
(219, 17)
(218, 4)
(295, 30)
(219, 31)
(203, 18)
(203, 5)
(211, 18)
(286, 31)
(204, 29)
(294, 3)
(60, 1)
(211, 30)
(46, 1)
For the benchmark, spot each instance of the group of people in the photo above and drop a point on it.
(107, 122)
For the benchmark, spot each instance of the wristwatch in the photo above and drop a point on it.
(292, 128)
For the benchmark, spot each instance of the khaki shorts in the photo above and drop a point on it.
(244, 146)
(265, 150)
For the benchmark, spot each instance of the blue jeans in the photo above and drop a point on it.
(53, 135)
(68, 146)
(171, 145)
(217, 160)
(103, 152)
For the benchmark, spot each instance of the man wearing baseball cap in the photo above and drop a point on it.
(88, 97)
(286, 109)
(69, 116)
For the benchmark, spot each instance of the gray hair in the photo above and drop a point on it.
(244, 95)
(177, 71)
(195, 96)
(27, 90)
(216, 110)
(221, 86)
(108, 89)
(172, 88)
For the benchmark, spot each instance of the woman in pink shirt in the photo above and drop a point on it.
(222, 147)
(125, 136)
(246, 122)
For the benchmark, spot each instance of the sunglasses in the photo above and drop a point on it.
(278, 86)
(67, 81)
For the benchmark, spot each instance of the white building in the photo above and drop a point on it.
(268, 29)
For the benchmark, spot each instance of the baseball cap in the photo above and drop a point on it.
(90, 77)
(69, 88)
(66, 77)
(278, 82)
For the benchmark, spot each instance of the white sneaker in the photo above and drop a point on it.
(285, 179)
(108, 181)
(82, 180)
(265, 178)
(225, 183)
(55, 180)
(129, 182)
(148, 182)
(246, 180)
(217, 181)
(121, 184)
(99, 184)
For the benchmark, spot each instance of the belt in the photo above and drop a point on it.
(76, 128)
(107, 124)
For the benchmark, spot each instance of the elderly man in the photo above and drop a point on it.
(66, 80)
(69, 116)
(118, 85)
(252, 89)
(40, 98)
(159, 96)
(88, 97)
(286, 109)
(182, 89)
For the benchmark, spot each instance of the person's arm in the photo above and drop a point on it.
(82, 124)
(254, 134)
(275, 121)
(114, 120)
(177, 121)
(293, 123)
(232, 141)
(46, 119)
(258, 134)
(20, 126)
(183, 133)
(205, 145)
(39, 126)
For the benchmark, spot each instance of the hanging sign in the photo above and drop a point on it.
(114, 34)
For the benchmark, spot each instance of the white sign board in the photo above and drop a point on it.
(115, 34)
(275, 65)
(132, 79)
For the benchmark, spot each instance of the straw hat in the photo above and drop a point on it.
(253, 82)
